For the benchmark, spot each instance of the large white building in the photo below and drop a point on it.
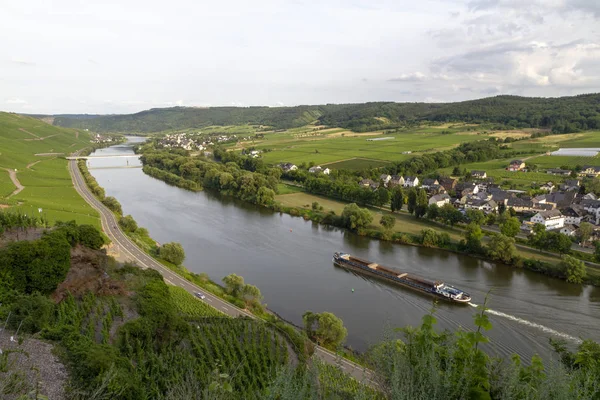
(411, 181)
(551, 219)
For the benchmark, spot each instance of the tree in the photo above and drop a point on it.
(354, 217)
(234, 284)
(90, 237)
(473, 236)
(584, 232)
(421, 207)
(387, 221)
(429, 238)
(397, 199)
(502, 248)
(382, 196)
(113, 204)
(475, 216)
(511, 227)
(265, 196)
(450, 215)
(251, 294)
(412, 200)
(433, 212)
(128, 224)
(537, 237)
(327, 329)
(172, 252)
(574, 269)
(597, 250)
(558, 242)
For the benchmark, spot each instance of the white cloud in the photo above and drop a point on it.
(141, 55)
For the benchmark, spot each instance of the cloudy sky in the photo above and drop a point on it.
(121, 56)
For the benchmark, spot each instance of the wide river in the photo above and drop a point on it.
(289, 259)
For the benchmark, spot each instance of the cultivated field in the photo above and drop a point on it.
(328, 146)
(46, 180)
(567, 161)
(356, 164)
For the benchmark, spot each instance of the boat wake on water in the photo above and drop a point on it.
(531, 324)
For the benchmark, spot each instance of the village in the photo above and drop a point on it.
(195, 141)
(558, 207)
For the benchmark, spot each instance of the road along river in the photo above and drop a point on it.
(289, 259)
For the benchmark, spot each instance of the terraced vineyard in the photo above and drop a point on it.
(241, 345)
(190, 307)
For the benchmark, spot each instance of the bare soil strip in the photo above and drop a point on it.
(41, 138)
(32, 134)
(15, 181)
(32, 164)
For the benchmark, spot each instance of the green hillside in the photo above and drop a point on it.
(162, 119)
(563, 115)
(33, 151)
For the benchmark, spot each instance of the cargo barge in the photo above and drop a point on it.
(435, 288)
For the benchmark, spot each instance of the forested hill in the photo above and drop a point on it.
(161, 119)
(563, 114)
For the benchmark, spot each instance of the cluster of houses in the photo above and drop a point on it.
(561, 208)
(182, 141)
(102, 139)
(317, 169)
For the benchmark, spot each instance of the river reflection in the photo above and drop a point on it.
(289, 259)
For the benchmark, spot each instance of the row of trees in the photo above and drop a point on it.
(109, 201)
(255, 187)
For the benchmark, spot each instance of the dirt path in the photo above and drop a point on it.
(32, 164)
(41, 138)
(15, 181)
(32, 134)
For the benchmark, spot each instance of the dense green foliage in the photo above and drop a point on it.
(355, 218)
(38, 266)
(574, 269)
(564, 114)
(325, 328)
(229, 179)
(161, 119)
(172, 252)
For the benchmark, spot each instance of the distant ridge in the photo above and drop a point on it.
(562, 114)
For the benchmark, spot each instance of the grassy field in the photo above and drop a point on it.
(332, 145)
(554, 142)
(558, 161)
(283, 188)
(496, 169)
(404, 222)
(46, 178)
(356, 164)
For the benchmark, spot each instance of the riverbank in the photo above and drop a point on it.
(421, 232)
(297, 337)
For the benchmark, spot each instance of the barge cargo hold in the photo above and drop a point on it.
(435, 288)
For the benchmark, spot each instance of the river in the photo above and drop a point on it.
(289, 259)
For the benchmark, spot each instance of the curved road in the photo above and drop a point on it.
(134, 253)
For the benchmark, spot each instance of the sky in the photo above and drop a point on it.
(90, 56)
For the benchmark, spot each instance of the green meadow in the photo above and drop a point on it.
(568, 161)
(326, 146)
(46, 179)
